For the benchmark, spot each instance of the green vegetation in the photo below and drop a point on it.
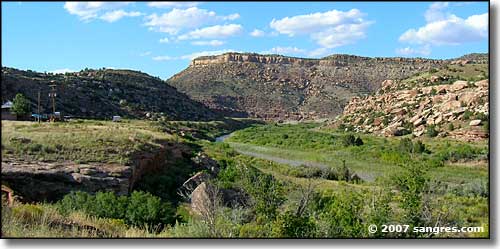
(21, 105)
(310, 192)
(81, 141)
(140, 209)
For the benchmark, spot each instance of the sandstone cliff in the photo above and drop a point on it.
(287, 88)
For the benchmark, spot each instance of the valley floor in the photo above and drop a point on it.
(292, 180)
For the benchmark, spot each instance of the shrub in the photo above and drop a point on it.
(351, 140)
(289, 225)
(140, 209)
(431, 131)
(266, 191)
(146, 209)
(467, 115)
(341, 215)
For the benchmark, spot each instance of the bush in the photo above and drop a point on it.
(289, 225)
(351, 140)
(146, 209)
(406, 145)
(340, 216)
(431, 131)
(140, 209)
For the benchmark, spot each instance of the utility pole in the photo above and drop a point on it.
(53, 95)
(39, 117)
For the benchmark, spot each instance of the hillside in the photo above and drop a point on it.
(104, 93)
(287, 88)
(450, 102)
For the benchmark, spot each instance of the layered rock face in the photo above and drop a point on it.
(49, 181)
(39, 181)
(103, 93)
(286, 88)
(452, 110)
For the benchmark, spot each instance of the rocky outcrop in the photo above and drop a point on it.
(275, 87)
(448, 108)
(42, 181)
(49, 181)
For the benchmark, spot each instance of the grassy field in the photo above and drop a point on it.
(81, 141)
(436, 181)
(457, 172)
(456, 162)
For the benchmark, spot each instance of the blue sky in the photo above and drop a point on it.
(160, 38)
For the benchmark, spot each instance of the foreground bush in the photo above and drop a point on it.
(140, 209)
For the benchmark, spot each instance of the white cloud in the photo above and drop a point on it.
(217, 31)
(177, 19)
(205, 53)
(447, 29)
(163, 58)
(145, 53)
(231, 17)
(62, 71)
(341, 35)
(329, 29)
(116, 15)
(164, 40)
(172, 4)
(319, 52)
(87, 11)
(192, 55)
(424, 50)
(435, 12)
(284, 50)
(257, 33)
(208, 43)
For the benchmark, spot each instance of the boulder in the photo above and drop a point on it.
(450, 105)
(475, 122)
(400, 131)
(190, 184)
(482, 83)
(418, 122)
(205, 162)
(459, 85)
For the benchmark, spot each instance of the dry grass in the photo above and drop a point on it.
(80, 140)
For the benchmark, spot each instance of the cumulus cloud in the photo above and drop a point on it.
(116, 15)
(447, 29)
(231, 17)
(205, 53)
(213, 43)
(329, 29)
(257, 33)
(284, 50)
(164, 40)
(435, 12)
(178, 19)
(424, 50)
(163, 58)
(62, 71)
(192, 55)
(107, 11)
(319, 52)
(172, 4)
(217, 31)
(145, 53)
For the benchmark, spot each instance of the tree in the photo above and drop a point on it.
(21, 105)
